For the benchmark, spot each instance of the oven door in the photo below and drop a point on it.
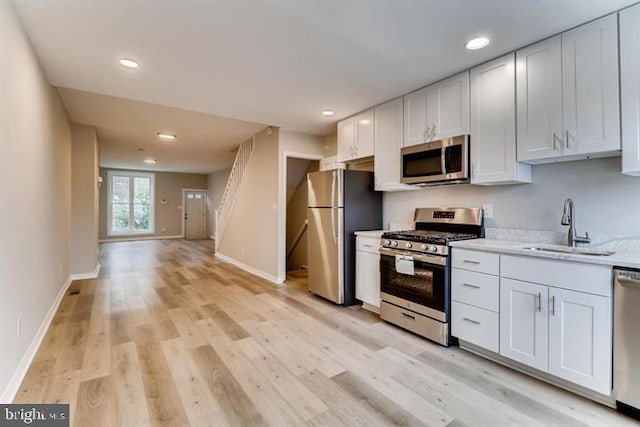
(424, 289)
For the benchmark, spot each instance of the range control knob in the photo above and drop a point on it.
(408, 245)
(387, 242)
(424, 247)
(394, 243)
(434, 249)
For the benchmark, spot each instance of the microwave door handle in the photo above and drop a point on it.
(443, 160)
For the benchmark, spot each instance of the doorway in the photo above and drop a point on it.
(296, 211)
(195, 214)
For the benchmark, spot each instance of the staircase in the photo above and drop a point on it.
(240, 163)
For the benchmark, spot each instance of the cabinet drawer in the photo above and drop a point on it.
(475, 325)
(589, 278)
(367, 244)
(482, 262)
(477, 289)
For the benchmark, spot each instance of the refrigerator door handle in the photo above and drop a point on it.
(333, 189)
(333, 225)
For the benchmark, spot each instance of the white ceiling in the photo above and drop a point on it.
(281, 62)
(204, 143)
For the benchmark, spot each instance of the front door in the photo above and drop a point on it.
(194, 215)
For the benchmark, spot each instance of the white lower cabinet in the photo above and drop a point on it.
(580, 338)
(554, 316)
(524, 322)
(368, 272)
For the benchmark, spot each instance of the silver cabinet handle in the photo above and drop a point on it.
(367, 246)
(469, 261)
(553, 305)
(427, 133)
(568, 136)
(475, 322)
(555, 141)
(469, 285)
(408, 316)
(473, 170)
(539, 302)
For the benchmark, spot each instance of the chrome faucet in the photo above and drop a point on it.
(568, 218)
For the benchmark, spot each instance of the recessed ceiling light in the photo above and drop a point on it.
(477, 43)
(167, 136)
(327, 113)
(129, 63)
(150, 161)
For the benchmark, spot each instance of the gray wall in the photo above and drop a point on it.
(35, 189)
(606, 201)
(84, 199)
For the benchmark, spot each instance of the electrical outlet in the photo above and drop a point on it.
(19, 327)
(488, 211)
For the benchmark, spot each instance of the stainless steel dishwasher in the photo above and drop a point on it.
(626, 341)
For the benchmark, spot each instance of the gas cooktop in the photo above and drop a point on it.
(428, 236)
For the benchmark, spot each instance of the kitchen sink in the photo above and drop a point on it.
(569, 250)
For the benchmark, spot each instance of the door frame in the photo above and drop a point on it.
(282, 208)
(182, 218)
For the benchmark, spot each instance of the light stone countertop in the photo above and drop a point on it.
(370, 233)
(621, 258)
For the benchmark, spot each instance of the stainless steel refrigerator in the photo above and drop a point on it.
(340, 202)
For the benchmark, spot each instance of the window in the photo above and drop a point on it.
(131, 203)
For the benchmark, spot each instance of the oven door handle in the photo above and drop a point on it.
(428, 259)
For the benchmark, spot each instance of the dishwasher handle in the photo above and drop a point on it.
(628, 279)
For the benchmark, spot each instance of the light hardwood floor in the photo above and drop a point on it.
(167, 335)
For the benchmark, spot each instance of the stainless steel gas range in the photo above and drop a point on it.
(415, 289)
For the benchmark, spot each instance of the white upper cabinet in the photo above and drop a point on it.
(355, 137)
(346, 139)
(388, 142)
(415, 118)
(630, 88)
(568, 95)
(493, 124)
(590, 87)
(437, 111)
(539, 100)
(580, 338)
(364, 134)
(448, 107)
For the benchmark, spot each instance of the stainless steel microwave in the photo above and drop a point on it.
(439, 162)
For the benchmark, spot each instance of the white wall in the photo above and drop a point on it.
(251, 232)
(216, 183)
(35, 190)
(84, 199)
(606, 201)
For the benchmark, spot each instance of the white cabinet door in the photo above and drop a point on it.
(580, 338)
(346, 139)
(415, 117)
(493, 124)
(448, 107)
(539, 100)
(388, 142)
(630, 88)
(590, 87)
(364, 135)
(524, 322)
(368, 278)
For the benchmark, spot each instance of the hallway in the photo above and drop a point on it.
(168, 335)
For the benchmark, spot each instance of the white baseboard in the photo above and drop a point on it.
(248, 268)
(133, 238)
(9, 393)
(90, 275)
(212, 237)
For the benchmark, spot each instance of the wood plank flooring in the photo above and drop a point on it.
(168, 335)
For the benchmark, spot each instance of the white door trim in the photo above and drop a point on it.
(282, 209)
(182, 208)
